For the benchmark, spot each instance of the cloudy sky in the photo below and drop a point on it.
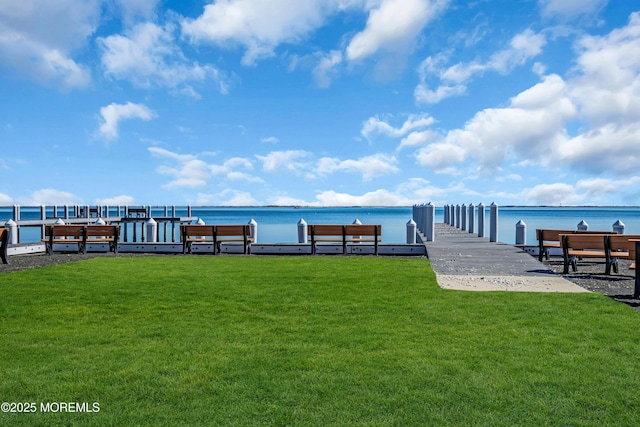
(320, 102)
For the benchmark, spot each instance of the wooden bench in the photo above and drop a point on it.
(583, 245)
(548, 239)
(64, 233)
(620, 246)
(350, 233)
(215, 235)
(4, 242)
(96, 233)
(199, 233)
(234, 233)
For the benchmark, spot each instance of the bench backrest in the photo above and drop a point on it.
(363, 230)
(197, 230)
(348, 230)
(4, 236)
(584, 241)
(66, 230)
(551, 235)
(103, 231)
(233, 230)
(554, 235)
(620, 242)
(325, 229)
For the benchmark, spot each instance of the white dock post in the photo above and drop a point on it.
(13, 231)
(521, 233)
(303, 232)
(618, 227)
(253, 228)
(99, 221)
(430, 231)
(480, 220)
(411, 232)
(457, 216)
(493, 223)
(472, 212)
(452, 215)
(582, 226)
(445, 211)
(66, 211)
(152, 230)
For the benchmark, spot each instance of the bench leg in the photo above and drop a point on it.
(3, 255)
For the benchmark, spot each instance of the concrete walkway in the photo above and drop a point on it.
(463, 261)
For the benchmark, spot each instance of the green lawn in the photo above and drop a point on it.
(342, 341)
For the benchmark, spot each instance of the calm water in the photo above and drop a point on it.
(279, 224)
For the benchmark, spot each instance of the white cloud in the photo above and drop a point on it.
(5, 200)
(326, 68)
(452, 81)
(552, 194)
(188, 171)
(284, 160)
(133, 10)
(601, 189)
(49, 197)
(148, 56)
(374, 125)
(570, 8)
(122, 200)
(270, 140)
(227, 197)
(369, 166)
(39, 37)
(114, 113)
(393, 27)
(531, 128)
(258, 25)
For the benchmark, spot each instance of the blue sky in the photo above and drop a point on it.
(320, 102)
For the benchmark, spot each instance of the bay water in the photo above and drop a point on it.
(279, 224)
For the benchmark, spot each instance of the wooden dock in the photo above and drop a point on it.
(464, 261)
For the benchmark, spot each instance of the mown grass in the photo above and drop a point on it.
(357, 341)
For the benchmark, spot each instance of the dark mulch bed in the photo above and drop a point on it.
(590, 274)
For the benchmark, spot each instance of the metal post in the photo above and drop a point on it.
(13, 231)
(411, 232)
(303, 231)
(493, 223)
(480, 220)
(152, 230)
(253, 230)
(521, 233)
(472, 212)
(430, 211)
(618, 227)
(457, 216)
